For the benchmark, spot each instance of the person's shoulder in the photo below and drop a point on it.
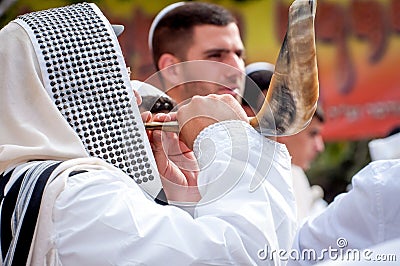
(381, 175)
(384, 170)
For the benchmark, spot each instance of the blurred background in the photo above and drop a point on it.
(358, 60)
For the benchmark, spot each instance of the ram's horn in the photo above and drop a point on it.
(294, 89)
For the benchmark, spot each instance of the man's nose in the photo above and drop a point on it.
(235, 61)
(319, 143)
(236, 69)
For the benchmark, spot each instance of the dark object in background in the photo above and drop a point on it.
(157, 104)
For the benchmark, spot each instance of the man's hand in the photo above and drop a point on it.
(176, 163)
(203, 111)
(175, 159)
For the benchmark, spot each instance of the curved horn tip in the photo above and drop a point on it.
(313, 6)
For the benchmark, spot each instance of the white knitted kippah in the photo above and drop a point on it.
(157, 19)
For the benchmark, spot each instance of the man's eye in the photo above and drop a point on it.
(216, 55)
(240, 54)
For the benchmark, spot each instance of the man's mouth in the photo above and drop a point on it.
(234, 91)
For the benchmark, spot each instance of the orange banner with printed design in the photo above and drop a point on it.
(358, 56)
(358, 50)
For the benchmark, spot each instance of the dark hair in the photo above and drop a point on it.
(173, 33)
(256, 83)
(320, 114)
(393, 131)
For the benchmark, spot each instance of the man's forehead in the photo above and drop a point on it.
(208, 37)
(315, 126)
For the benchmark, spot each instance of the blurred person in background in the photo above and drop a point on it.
(258, 78)
(303, 147)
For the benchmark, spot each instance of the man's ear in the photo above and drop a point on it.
(166, 61)
(169, 69)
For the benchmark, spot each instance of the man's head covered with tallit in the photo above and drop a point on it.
(65, 93)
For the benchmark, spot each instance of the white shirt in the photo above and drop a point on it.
(365, 216)
(309, 199)
(102, 217)
(386, 253)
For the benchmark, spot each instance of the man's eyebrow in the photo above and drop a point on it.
(216, 50)
(221, 50)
